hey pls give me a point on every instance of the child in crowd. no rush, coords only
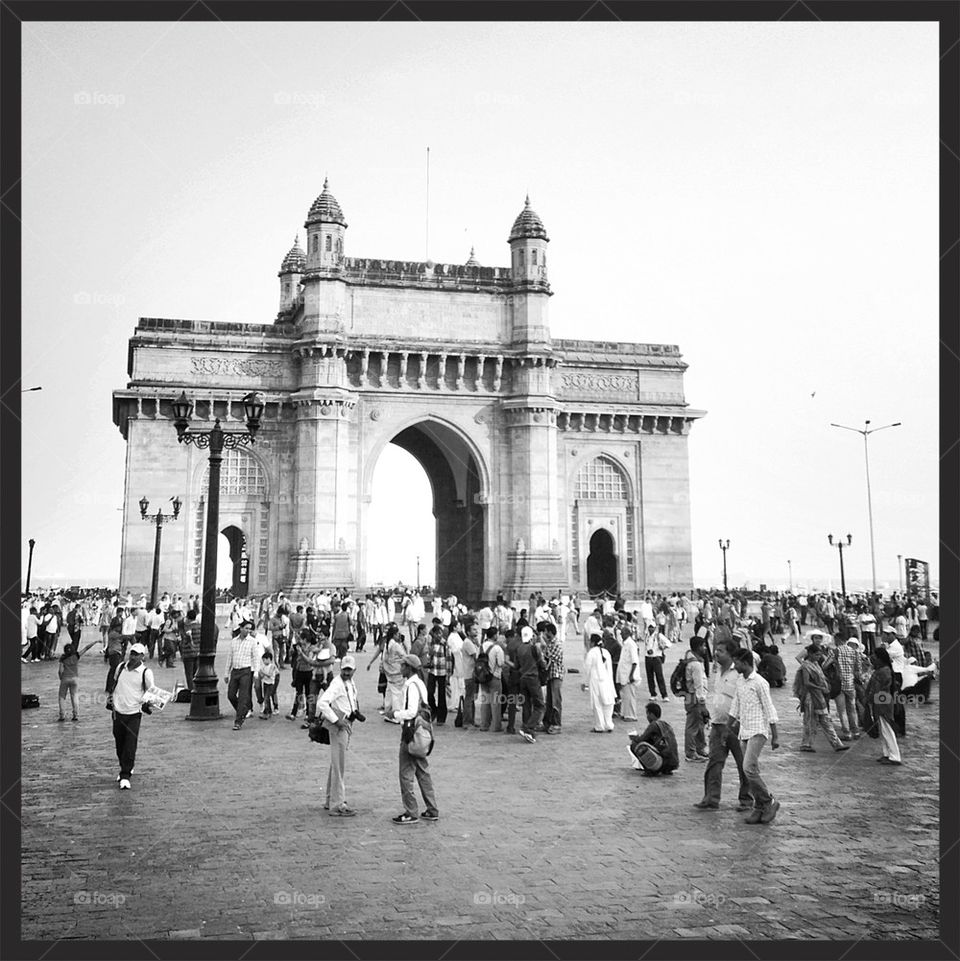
(69, 673)
(267, 675)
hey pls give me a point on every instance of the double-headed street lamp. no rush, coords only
(840, 545)
(160, 519)
(725, 548)
(867, 430)
(205, 698)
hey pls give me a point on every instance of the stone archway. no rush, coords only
(602, 567)
(454, 475)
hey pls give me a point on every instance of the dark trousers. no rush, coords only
(301, 684)
(126, 734)
(151, 642)
(722, 743)
(923, 630)
(511, 687)
(803, 616)
(551, 717)
(437, 697)
(49, 644)
(239, 691)
(654, 667)
(267, 694)
(532, 696)
(189, 669)
(113, 659)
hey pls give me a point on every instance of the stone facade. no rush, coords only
(532, 444)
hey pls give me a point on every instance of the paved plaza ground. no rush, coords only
(223, 837)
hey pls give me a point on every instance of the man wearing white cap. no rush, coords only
(339, 707)
(129, 683)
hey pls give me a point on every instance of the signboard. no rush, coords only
(917, 575)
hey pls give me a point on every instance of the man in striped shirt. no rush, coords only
(242, 661)
(754, 718)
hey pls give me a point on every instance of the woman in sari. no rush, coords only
(598, 672)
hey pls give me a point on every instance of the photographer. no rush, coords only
(339, 708)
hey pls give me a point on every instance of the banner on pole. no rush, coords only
(917, 577)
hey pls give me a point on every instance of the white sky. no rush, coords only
(763, 195)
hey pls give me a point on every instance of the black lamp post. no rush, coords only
(160, 519)
(205, 699)
(725, 548)
(840, 545)
(31, 542)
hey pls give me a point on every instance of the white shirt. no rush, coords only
(414, 694)
(341, 695)
(629, 655)
(129, 625)
(646, 610)
(128, 693)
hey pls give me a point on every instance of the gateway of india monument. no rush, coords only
(553, 463)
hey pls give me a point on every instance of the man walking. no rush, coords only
(722, 741)
(130, 682)
(242, 661)
(190, 646)
(468, 654)
(753, 718)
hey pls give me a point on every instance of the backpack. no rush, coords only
(678, 679)
(482, 672)
(832, 673)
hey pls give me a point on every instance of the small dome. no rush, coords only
(296, 260)
(472, 262)
(325, 209)
(528, 224)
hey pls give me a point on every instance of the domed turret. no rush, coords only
(295, 260)
(325, 209)
(291, 270)
(528, 224)
(325, 229)
(528, 248)
(472, 262)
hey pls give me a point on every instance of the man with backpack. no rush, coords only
(129, 682)
(488, 673)
(689, 680)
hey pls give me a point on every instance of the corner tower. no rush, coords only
(325, 232)
(290, 274)
(528, 267)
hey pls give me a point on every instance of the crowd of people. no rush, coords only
(501, 667)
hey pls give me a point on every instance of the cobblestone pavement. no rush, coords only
(222, 835)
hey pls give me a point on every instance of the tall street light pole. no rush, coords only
(160, 519)
(900, 572)
(205, 697)
(790, 570)
(418, 572)
(725, 548)
(31, 542)
(840, 545)
(866, 431)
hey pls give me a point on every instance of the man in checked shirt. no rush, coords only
(242, 661)
(754, 718)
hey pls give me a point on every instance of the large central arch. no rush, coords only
(458, 479)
